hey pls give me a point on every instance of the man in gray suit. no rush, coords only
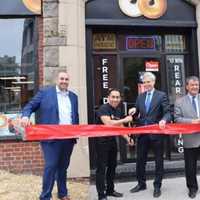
(187, 110)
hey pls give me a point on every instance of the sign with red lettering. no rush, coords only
(152, 66)
(140, 43)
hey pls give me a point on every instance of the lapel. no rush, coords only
(198, 100)
(54, 98)
(143, 98)
(72, 102)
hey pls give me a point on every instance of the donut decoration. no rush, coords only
(33, 5)
(130, 9)
(152, 9)
(3, 121)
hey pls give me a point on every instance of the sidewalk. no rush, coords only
(172, 189)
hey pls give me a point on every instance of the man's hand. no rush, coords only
(132, 111)
(25, 121)
(127, 119)
(129, 140)
(196, 121)
(162, 124)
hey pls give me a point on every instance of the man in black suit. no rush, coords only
(152, 107)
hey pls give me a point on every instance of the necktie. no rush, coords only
(194, 104)
(148, 101)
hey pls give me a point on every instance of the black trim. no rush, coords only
(121, 22)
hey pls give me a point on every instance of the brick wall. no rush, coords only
(21, 157)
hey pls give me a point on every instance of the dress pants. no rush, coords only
(143, 146)
(57, 155)
(106, 165)
(190, 156)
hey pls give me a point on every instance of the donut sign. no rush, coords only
(150, 9)
(21, 7)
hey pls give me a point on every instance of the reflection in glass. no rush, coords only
(16, 63)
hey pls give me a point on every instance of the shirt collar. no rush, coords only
(61, 92)
(192, 96)
(150, 92)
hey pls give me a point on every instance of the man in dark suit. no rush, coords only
(56, 105)
(187, 110)
(152, 107)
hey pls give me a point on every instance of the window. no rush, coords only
(17, 69)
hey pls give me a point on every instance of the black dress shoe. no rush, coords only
(114, 194)
(102, 198)
(192, 194)
(137, 188)
(156, 192)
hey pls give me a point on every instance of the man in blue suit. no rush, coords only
(56, 105)
(152, 107)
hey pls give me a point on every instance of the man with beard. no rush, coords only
(56, 105)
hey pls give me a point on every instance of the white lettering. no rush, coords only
(177, 75)
(180, 149)
(105, 69)
(176, 68)
(104, 61)
(105, 85)
(177, 83)
(105, 77)
(178, 90)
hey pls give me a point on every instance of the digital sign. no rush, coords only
(140, 43)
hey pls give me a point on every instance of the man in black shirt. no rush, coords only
(106, 147)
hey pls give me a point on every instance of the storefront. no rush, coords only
(122, 46)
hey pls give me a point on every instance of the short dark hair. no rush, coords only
(113, 89)
(189, 78)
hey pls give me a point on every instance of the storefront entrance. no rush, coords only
(119, 53)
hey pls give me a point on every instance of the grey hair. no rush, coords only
(149, 75)
(189, 78)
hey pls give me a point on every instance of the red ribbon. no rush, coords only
(48, 132)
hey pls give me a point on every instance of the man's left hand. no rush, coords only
(162, 124)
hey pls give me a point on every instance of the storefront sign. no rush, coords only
(176, 66)
(150, 9)
(104, 41)
(105, 77)
(152, 66)
(21, 7)
(140, 43)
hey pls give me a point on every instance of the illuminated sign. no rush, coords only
(104, 41)
(21, 7)
(152, 66)
(140, 43)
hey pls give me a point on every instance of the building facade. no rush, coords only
(102, 44)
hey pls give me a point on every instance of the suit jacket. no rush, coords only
(159, 109)
(45, 101)
(184, 113)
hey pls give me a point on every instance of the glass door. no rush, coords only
(132, 69)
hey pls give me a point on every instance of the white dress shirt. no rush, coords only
(64, 107)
